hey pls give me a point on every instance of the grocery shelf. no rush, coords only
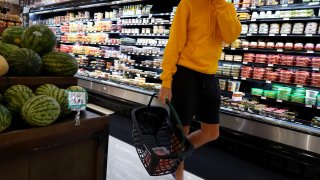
(85, 32)
(151, 45)
(310, 5)
(274, 51)
(142, 54)
(142, 65)
(285, 19)
(147, 15)
(147, 24)
(146, 35)
(95, 57)
(284, 35)
(91, 44)
(240, 10)
(282, 66)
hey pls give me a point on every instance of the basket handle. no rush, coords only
(151, 99)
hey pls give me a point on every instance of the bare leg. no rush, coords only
(207, 133)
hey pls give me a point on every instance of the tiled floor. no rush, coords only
(124, 163)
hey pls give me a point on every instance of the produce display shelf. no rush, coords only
(91, 44)
(151, 45)
(147, 15)
(122, 86)
(274, 51)
(308, 68)
(146, 35)
(95, 57)
(310, 5)
(285, 19)
(142, 65)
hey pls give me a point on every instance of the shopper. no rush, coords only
(190, 62)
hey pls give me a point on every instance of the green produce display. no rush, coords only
(298, 98)
(41, 111)
(16, 102)
(78, 88)
(284, 93)
(301, 91)
(270, 94)
(60, 64)
(257, 92)
(45, 89)
(7, 49)
(24, 62)
(13, 35)
(61, 96)
(39, 38)
(15, 90)
(5, 118)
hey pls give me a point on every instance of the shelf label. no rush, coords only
(308, 106)
(315, 69)
(253, 7)
(245, 62)
(243, 78)
(284, 34)
(235, 78)
(272, 35)
(310, 52)
(284, 5)
(245, 49)
(154, 66)
(279, 50)
(269, 82)
(263, 97)
(286, 19)
(270, 65)
(233, 48)
(299, 85)
(279, 100)
(309, 35)
(147, 65)
(249, 34)
(318, 107)
(150, 15)
(253, 20)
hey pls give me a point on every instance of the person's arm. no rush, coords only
(229, 24)
(176, 43)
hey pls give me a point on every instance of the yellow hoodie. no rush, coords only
(196, 36)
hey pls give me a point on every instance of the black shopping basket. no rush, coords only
(159, 139)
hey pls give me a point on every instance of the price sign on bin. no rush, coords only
(77, 102)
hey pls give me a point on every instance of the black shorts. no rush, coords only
(195, 94)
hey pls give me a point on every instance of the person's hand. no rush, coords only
(164, 94)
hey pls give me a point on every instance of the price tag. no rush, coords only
(269, 82)
(138, 75)
(243, 78)
(271, 34)
(308, 106)
(147, 65)
(233, 48)
(310, 52)
(245, 49)
(253, 7)
(270, 65)
(245, 62)
(313, 3)
(263, 97)
(299, 85)
(154, 66)
(141, 65)
(243, 8)
(286, 19)
(77, 102)
(235, 78)
(318, 107)
(150, 15)
(279, 100)
(279, 50)
(253, 20)
(315, 69)
(284, 34)
(309, 35)
(249, 34)
(284, 5)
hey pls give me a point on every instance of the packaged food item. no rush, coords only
(270, 45)
(301, 91)
(258, 73)
(270, 94)
(311, 93)
(286, 76)
(311, 101)
(311, 28)
(279, 45)
(253, 28)
(246, 71)
(261, 45)
(315, 79)
(245, 44)
(284, 93)
(257, 91)
(286, 28)
(263, 28)
(223, 84)
(245, 28)
(272, 76)
(288, 45)
(249, 57)
(261, 58)
(298, 28)
(303, 61)
(287, 60)
(274, 59)
(309, 47)
(274, 28)
(228, 57)
(317, 47)
(315, 62)
(237, 58)
(298, 46)
(301, 77)
(253, 45)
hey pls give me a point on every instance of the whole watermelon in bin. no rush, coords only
(39, 38)
(5, 118)
(13, 35)
(60, 64)
(7, 49)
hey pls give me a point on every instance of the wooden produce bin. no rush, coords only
(61, 151)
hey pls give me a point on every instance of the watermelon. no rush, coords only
(4, 66)
(16, 103)
(13, 35)
(5, 118)
(40, 111)
(15, 90)
(7, 49)
(45, 89)
(79, 89)
(39, 38)
(61, 96)
(60, 64)
(24, 62)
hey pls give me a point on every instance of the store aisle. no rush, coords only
(124, 163)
